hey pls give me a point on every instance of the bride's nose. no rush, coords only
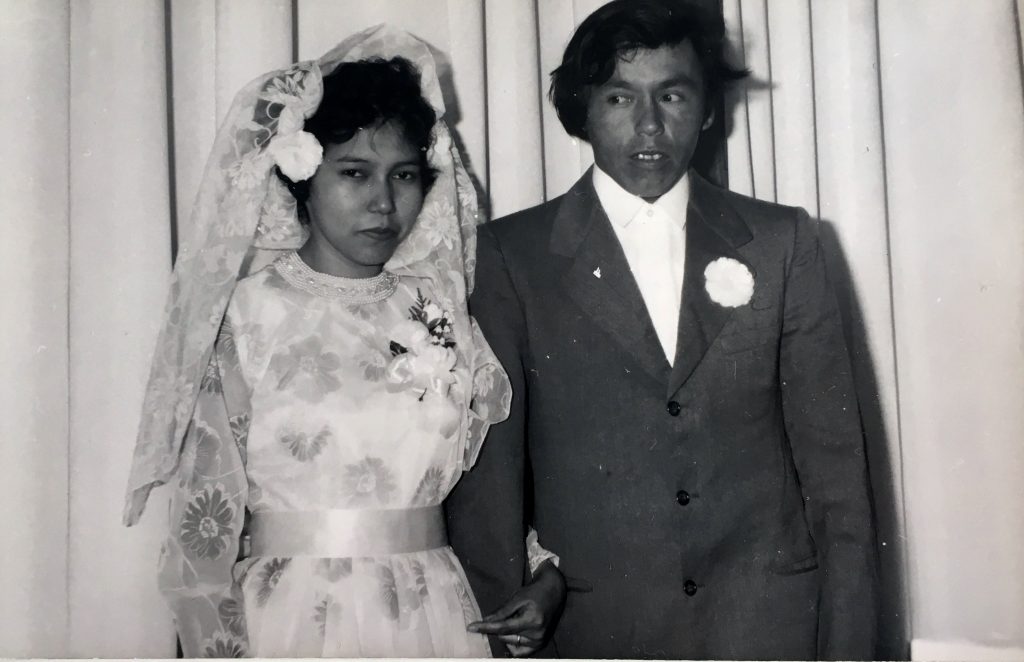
(382, 198)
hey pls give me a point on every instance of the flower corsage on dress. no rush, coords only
(423, 351)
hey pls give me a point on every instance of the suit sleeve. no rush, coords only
(823, 425)
(485, 511)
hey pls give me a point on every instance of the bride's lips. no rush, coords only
(380, 234)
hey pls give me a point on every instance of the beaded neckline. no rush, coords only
(349, 290)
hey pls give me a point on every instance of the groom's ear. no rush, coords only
(709, 120)
(583, 96)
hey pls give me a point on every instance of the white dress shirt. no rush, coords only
(653, 237)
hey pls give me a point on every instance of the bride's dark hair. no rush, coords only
(369, 93)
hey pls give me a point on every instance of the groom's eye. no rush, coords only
(618, 99)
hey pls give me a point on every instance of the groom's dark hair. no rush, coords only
(623, 26)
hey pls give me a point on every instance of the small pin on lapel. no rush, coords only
(597, 272)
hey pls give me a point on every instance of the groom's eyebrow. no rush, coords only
(680, 81)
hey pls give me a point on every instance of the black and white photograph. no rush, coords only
(588, 329)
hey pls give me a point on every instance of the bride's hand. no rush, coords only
(526, 621)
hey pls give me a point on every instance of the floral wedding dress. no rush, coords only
(326, 436)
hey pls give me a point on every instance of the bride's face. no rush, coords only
(363, 201)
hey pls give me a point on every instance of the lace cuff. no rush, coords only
(537, 554)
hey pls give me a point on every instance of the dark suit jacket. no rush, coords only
(715, 509)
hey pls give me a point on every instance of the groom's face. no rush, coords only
(644, 121)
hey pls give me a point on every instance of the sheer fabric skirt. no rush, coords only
(402, 605)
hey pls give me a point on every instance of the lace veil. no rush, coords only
(244, 216)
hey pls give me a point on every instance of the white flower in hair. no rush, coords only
(297, 154)
(289, 121)
(729, 282)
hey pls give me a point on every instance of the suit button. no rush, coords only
(689, 587)
(673, 408)
(683, 497)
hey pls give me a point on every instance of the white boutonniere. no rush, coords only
(422, 350)
(729, 282)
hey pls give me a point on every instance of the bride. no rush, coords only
(312, 415)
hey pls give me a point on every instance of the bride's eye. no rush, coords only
(407, 175)
(353, 173)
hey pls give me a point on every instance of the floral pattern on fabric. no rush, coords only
(362, 445)
(240, 430)
(374, 365)
(334, 569)
(430, 488)
(466, 601)
(312, 368)
(388, 591)
(211, 381)
(223, 646)
(417, 590)
(203, 454)
(326, 609)
(303, 446)
(232, 616)
(269, 576)
(368, 481)
(206, 529)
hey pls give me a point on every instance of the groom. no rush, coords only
(684, 431)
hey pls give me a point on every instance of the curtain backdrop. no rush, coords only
(899, 123)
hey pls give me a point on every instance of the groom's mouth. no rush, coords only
(649, 158)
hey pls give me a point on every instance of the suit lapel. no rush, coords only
(599, 279)
(713, 230)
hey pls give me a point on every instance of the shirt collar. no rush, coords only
(622, 207)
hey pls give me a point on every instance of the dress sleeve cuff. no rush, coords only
(537, 554)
